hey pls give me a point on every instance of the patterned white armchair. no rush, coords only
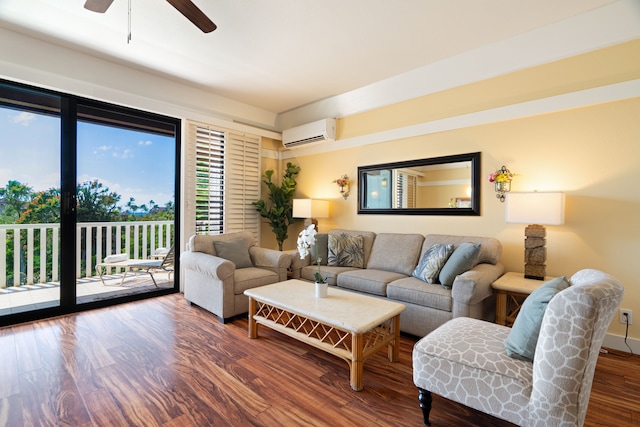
(465, 360)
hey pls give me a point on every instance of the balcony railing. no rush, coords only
(36, 248)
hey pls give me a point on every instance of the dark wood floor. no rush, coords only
(160, 362)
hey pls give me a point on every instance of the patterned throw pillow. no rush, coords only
(432, 261)
(346, 251)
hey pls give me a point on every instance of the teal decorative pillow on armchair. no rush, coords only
(522, 340)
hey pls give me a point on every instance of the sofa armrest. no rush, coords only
(270, 259)
(297, 263)
(216, 267)
(474, 286)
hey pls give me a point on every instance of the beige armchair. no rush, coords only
(465, 360)
(215, 284)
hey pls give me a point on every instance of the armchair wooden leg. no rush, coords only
(424, 396)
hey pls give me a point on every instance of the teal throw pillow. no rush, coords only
(522, 340)
(235, 251)
(463, 258)
(432, 261)
(346, 250)
(320, 249)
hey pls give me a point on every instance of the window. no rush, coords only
(223, 179)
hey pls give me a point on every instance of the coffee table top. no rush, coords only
(345, 310)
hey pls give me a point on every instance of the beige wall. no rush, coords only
(591, 153)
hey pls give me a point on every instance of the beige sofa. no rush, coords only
(215, 284)
(389, 260)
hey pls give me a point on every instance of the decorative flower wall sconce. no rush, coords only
(502, 181)
(343, 183)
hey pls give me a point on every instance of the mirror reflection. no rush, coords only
(440, 186)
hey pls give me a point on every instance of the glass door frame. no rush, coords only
(68, 214)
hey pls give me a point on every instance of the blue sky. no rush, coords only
(132, 164)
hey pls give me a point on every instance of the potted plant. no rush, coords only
(306, 239)
(280, 209)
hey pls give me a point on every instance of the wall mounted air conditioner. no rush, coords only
(311, 133)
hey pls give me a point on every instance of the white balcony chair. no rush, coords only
(165, 263)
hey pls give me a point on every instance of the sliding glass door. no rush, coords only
(126, 179)
(29, 200)
(88, 192)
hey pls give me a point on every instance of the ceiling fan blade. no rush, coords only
(193, 14)
(99, 6)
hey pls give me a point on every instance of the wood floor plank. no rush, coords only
(9, 384)
(11, 411)
(103, 409)
(162, 362)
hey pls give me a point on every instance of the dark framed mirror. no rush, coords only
(448, 185)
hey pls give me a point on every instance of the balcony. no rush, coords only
(30, 259)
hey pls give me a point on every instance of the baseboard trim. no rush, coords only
(616, 342)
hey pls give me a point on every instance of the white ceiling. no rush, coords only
(282, 54)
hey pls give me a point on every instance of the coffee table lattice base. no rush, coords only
(352, 347)
(330, 335)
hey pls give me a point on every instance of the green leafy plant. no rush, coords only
(279, 210)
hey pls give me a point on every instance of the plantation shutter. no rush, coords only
(222, 179)
(242, 172)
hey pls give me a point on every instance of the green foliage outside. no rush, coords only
(279, 210)
(19, 204)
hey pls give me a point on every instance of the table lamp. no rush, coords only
(536, 209)
(310, 209)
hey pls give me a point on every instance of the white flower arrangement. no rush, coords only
(306, 239)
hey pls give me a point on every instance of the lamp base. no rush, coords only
(535, 252)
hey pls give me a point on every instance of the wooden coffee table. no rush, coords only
(346, 324)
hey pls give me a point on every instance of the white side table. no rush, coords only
(512, 289)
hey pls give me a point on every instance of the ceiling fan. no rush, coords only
(185, 7)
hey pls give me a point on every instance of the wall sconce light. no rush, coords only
(310, 209)
(343, 183)
(535, 209)
(502, 180)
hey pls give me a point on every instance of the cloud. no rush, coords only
(24, 118)
(124, 154)
(147, 142)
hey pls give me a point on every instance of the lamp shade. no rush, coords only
(535, 208)
(310, 208)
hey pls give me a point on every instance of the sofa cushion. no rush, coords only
(367, 239)
(463, 258)
(252, 277)
(522, 340)
(432, 261)
(395, 252)
(368, 281)
(415, 291)
(346, 251)
(490, 249)
(235, 251)
(320, 249)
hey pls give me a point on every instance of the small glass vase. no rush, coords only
(503, 187)
(321, 290)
